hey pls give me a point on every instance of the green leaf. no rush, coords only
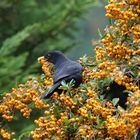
(89, 115)
(97, 119)
(71, 115)
(128, 92)
(110, 21)
(100, 122)
(84, 86)
(99, 32)
(53, 137)
(120, 108)
(115, 101)
(84, 58)
(102, 96)
(64, 85)
(67, 122)
(67, 86)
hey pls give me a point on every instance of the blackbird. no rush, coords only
(65, 70)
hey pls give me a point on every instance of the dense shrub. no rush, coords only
(83, 113)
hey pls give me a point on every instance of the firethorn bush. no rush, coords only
(83, 113)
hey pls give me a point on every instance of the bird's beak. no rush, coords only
(40, 58)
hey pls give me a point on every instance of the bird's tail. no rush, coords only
(51, 91)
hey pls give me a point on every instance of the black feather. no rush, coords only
(66, 70)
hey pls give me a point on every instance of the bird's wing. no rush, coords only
(51, 91)
(54, 88)
(66, 70)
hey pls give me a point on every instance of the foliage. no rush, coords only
(30, 28)
(82, 113)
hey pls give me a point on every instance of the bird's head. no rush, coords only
(55, 56)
